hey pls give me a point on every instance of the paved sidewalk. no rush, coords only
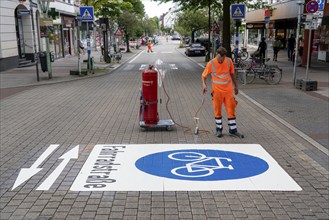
(22, 77)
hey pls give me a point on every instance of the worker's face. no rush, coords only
(220, 58)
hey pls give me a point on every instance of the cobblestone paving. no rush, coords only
(105, 110)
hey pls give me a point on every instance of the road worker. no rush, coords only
(222, 74)
(149, 46)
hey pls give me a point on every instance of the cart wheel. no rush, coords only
(168, 128)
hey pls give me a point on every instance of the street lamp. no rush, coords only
(299, 3)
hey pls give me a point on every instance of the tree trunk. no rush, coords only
(127, 42)
(227, 27)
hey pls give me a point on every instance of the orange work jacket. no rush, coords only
(220, 74)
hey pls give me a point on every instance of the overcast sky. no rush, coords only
(154, 8)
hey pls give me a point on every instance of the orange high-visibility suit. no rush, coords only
(149, 46)
(221, 76)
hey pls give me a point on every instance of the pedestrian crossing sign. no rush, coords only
(87, 13)
(238, 11)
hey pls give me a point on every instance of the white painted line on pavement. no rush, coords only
(135, 57)
(182, 167)
(291, 127)
(72, 154)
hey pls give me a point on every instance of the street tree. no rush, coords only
(127, 19)
(223, 9)
(191, 21)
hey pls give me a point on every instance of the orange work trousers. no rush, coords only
(229, 102)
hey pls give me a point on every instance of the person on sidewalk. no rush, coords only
(222, 73)
(262, 48)
(149, 46)
(276, 47)
(301, 50)
(291, 47)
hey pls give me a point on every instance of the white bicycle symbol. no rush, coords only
(200, 165)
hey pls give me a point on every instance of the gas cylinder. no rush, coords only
(150, 95)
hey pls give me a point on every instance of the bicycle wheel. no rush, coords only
(233, 56)
(244, 55)
(187, 156)
(249, 75)
(194, 173)
(273, 75)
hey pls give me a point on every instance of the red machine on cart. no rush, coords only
(148, 114)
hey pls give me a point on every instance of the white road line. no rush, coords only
(135, 57)
(72, 154)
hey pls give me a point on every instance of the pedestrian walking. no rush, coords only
(301, 50)
(149, 46)
(222, 73)
(291, 47)
(262, 48)
(276, 48)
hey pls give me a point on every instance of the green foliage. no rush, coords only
(192, 20)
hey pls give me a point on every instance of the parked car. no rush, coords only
(195, 49)
(175, 37)
(203, 41)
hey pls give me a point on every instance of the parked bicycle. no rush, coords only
(241, 54)
(248, 71)
(117, 56)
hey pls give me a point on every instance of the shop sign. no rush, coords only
(46, 26)
(255, 25)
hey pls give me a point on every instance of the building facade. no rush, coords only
(21, 30)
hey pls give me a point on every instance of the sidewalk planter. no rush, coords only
(306, 85)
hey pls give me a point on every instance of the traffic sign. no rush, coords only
(312, 7)
(87, 13)
(118, 33)
(321, 5)
(238, 11)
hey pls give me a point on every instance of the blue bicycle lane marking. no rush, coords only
(202, 165)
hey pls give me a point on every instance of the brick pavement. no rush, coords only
(105, 110)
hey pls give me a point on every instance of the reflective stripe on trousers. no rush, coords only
(232, 125)
(219, 123)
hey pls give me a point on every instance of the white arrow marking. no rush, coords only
(27, 173)
(173, 66)
(143, 66)
(72, 154)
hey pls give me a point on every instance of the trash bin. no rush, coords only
(43, 60)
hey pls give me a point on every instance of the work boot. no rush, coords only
(236, 134)
(219, 133)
